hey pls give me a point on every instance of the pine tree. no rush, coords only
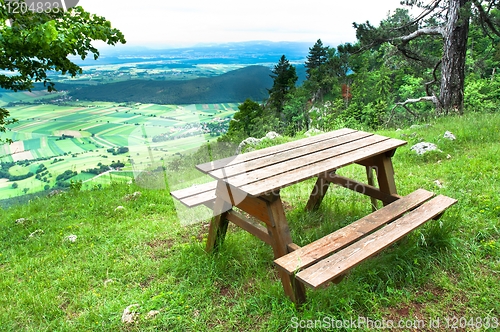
(285, 77)
(318, 55)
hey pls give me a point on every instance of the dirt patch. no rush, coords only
(4, 183)
(159, 248)
(16, 147)
(22, 156)
(161, 243)
(287, 206)
(145, 283)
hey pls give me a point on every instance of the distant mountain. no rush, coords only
(253, 52)
(235, 86)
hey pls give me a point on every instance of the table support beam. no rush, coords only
(385, 175)
(317, 194)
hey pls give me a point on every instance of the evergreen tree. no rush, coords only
(285, 77)
(318, 55)
(244, 122)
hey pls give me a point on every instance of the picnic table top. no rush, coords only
(270, 169)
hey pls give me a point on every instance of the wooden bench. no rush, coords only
(198, 194)
(330, 257)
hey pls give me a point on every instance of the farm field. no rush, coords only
(78, 136)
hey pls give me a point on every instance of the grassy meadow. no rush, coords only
(76, 136)
(143, 255)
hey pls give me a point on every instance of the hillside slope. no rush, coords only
(235, 86)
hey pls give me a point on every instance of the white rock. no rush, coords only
(449, 135)
(438, 183)
(247, 141)
(312, 132)
(20, 221)
(152, 313)
(272, 135)
(255, 141)
(71, 238)
(423, 147)
(128, 315)
(118, 208)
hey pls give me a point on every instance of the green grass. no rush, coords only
(142, 254)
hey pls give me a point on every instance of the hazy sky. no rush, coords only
(187, 22)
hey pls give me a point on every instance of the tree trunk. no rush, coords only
(453, 63)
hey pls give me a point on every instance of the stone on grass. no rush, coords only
(128, 315)
(20, 221)
(272, 135)
(152, 313)
(108, 281)
(119, 208)
(255, 141)
(133, 196)
(423, 147)
(449, 135)
(438, 183)
(312, 132)
(71, 238)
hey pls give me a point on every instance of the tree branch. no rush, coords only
(421, 32)
(485, 18)
(412, 101)
(428, 84)
(422, 15)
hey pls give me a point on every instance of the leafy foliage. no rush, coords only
(35, 43)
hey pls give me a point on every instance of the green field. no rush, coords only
(90, 129)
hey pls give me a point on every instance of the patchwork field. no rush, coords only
(78, 136)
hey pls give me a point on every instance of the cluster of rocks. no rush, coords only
(255, 141)
(423, 147)
(130, 315)
(270, 135)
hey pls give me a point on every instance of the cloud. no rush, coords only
(193, 21)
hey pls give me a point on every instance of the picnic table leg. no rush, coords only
(318, 193)
(385, 174)
(218, 225)
(281, 238)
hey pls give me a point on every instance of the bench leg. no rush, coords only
(218, 225)
(281, 238)
(317, 195)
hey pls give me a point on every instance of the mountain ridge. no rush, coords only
(234, 86)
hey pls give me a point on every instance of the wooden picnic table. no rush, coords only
(252, 183)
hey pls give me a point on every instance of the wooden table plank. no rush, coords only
(305, 161)
(261, 183)
(287, 155)
(243, 158)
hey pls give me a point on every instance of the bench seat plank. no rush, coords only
(340, 262)
(339, 239)
(197, 194)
